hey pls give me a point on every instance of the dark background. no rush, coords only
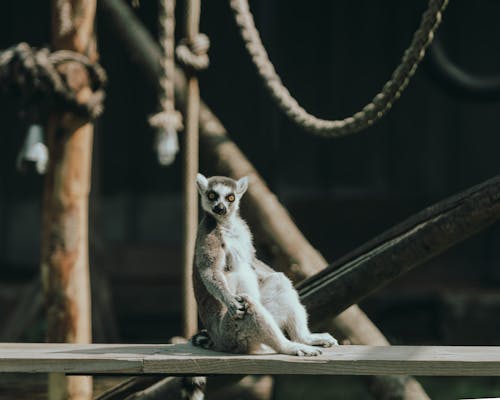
(333, 56)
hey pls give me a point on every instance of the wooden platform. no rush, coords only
(185, 359)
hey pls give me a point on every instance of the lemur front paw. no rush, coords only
(238, 307)
(299, 349)
(323, 339)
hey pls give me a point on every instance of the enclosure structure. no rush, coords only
(327, 292)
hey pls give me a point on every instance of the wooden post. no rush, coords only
(64, 241)
(190, 168)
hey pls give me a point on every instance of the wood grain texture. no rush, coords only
(184, 359)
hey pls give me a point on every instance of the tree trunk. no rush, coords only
(64, 242)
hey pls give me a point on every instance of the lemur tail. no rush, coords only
(202, 339)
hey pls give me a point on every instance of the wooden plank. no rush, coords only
(184, 359)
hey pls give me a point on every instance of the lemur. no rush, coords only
(242, 302)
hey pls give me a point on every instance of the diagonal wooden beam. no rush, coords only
(398, 250)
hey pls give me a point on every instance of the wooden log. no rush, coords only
(190, 159)
(169, 388)
(272, 222)
(129, 387)
(398, 250)
(185, 359)
(64, 243)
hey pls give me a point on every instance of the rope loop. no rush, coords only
(194, 54)
(373, 111)
(33, 74)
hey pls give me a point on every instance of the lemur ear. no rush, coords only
(242, 185)
(202, 183)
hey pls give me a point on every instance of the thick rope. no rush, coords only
(167, 121)
(374, 110)
(32, 73)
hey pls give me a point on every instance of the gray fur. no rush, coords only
(242, 302)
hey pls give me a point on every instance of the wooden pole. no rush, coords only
(64, 241)
(190, 168)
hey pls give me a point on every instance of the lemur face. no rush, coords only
(220, 196)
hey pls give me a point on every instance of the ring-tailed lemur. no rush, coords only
(242, 302)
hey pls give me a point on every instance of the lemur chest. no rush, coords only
(238, 269)
(238, 247)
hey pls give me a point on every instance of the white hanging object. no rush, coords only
(167, 146)
(34, 150)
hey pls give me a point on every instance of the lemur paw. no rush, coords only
(323, 339)
(238, 308)
(298, 349)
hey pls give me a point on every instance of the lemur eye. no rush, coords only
(230, 198)
(211, 196)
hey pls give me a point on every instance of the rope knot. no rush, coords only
(194, 54)
(34, 74)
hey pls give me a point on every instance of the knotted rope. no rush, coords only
(374, 110)
(167, 121)
(32, 73)
(194, 55)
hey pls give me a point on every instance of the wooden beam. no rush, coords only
(64, 242)
(393, 253)
(190, 161)
(185, 359)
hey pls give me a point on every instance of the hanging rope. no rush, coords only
(167, 121)
(32, 74)
(374, 110)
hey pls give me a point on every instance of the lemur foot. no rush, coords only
(322, 339)
(202, 339)
(299, 349)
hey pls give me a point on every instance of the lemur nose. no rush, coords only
(219, 209)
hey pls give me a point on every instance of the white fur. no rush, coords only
(238, 244)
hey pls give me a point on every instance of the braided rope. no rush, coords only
(33, 74)
(374, 110)
(167, 121)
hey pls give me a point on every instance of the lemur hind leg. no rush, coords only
(257, 327)
(281, 299)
